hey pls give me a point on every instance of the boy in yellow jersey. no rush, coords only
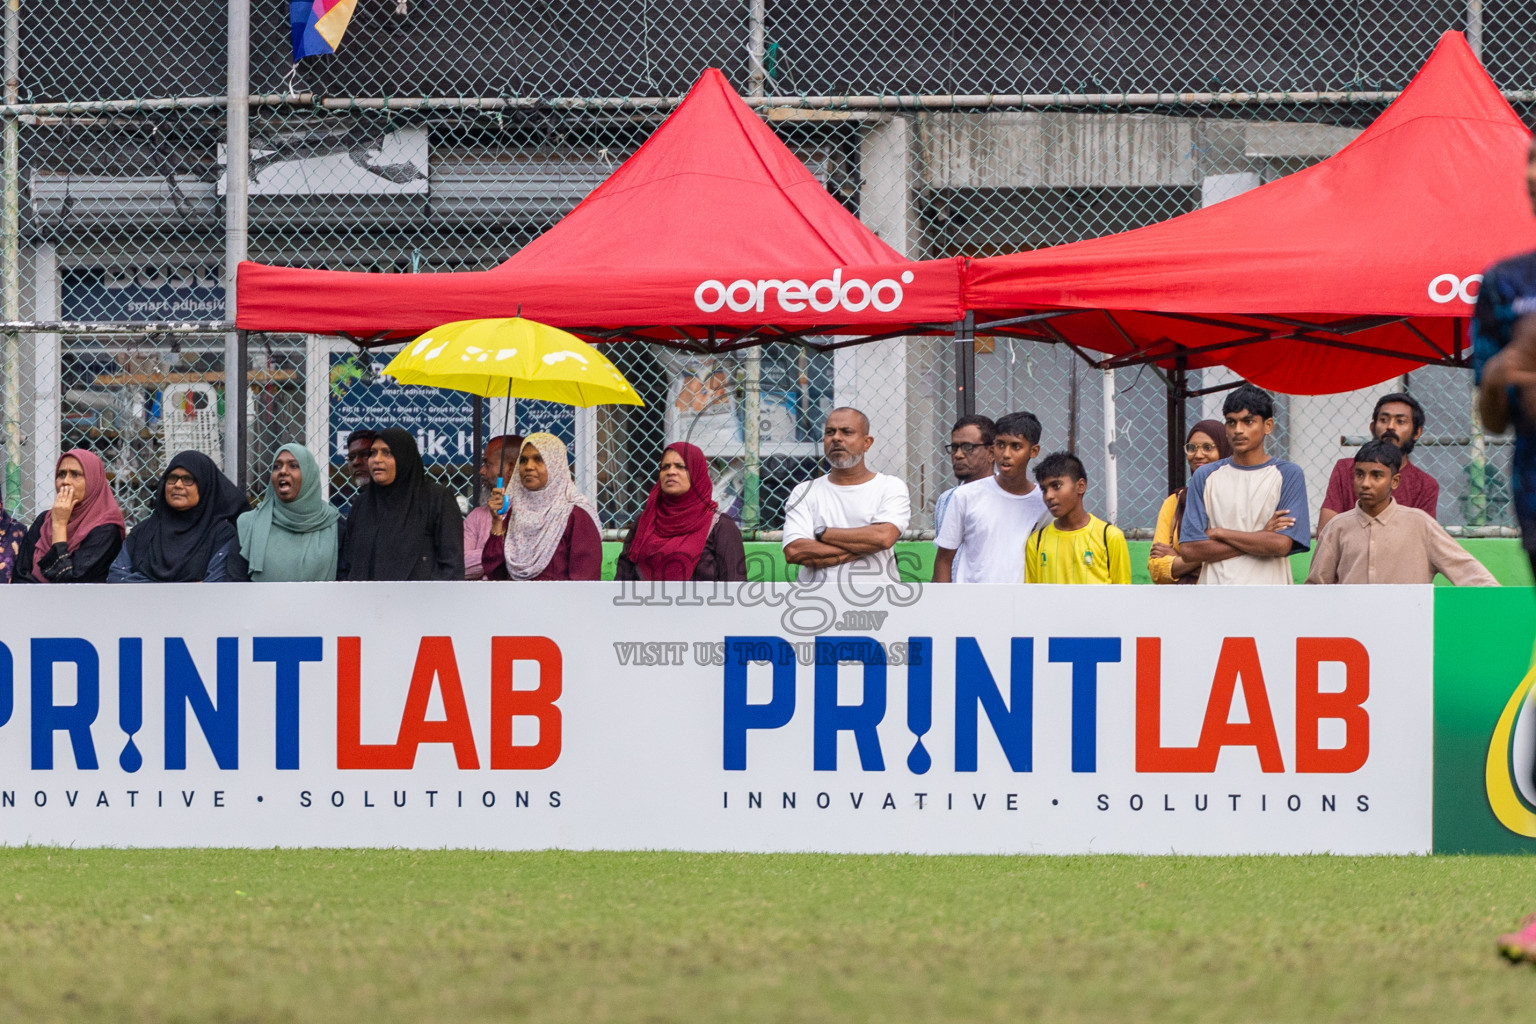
(1077, 547)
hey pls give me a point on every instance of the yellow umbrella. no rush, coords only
(512, 358)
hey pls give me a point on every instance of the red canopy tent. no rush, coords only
(713, 234)
(1340, 276)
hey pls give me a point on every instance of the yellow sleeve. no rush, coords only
(1119, 557)
(1161, 568)
(1031, 566)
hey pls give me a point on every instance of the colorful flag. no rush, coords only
(316, 26)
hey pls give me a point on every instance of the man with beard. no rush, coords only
(843, 525)
(1398, 418)
(359, 448)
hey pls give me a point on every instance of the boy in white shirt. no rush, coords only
(842, 526)
(987, 522)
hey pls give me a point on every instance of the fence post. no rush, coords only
(757, 72)
(965, 366)
(752, 397)
(237, 168)
(237, 395)
(1477, 446)
(1177, 390)
(10, 255)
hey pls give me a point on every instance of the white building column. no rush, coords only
(47, 389)
(874, 378)
(317, 404)
(1216, 187)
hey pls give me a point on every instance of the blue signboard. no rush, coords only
(94, 293)
(550, 417)
(442, 421)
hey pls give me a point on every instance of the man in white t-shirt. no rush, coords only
(970, 455)
(987, 523)
(842, 526)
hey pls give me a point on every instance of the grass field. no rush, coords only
(459, 936)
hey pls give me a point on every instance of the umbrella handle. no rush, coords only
(506, 410)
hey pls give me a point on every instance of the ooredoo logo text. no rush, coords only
(1449, 288)
(854, 295)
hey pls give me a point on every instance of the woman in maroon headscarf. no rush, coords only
(681, 534)
(75, 540)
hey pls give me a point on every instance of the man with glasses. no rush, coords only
(986, 526)
(970, 455)
(359, 445)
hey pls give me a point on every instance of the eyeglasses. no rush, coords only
(181, 480)
(965, 447)
(1200, 449)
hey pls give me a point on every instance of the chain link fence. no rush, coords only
(444, 137)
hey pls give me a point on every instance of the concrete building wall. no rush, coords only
(1027, 149)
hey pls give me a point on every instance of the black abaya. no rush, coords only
(410, 529)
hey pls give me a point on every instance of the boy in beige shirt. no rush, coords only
(1380, 541)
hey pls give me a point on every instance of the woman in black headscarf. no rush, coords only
(189, 535)
(402, 526)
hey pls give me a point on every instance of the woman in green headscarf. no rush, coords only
(293, 536)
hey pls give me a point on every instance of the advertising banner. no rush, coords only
(752, 717)
(150, 294)
(350, 162)
(442, 421)
(1485, 720)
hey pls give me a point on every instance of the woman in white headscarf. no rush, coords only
(551, 530)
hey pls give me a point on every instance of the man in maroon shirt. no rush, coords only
(1398, 418)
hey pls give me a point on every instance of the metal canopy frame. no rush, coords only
(1166, 357)
(715, 339)
(1038, 327)
(1169, 359)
